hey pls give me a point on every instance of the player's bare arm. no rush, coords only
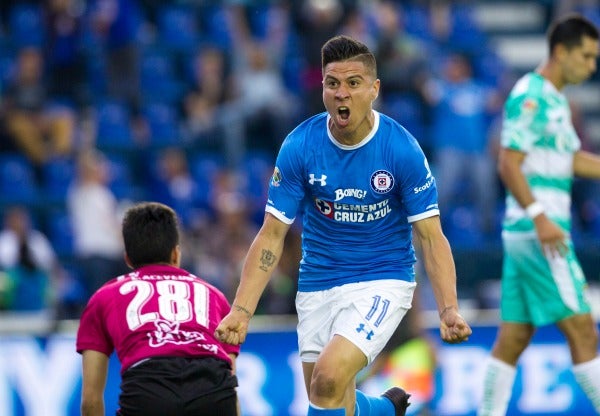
(551, 236)
(263, 257)
(439, 265)
(95, 372)
(586, 165)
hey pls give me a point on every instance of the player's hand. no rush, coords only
(453, 327)
(551, 236)
(233, 328)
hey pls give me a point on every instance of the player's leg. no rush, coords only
(582, 336)
(332, 384)
(514, 334)
(358, 319)
(576, 322)
(511, 341)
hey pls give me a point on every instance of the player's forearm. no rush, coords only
(92, 408)
(440, 268)
(262, 259)
(586, 165)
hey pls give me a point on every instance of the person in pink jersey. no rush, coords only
(160, 320)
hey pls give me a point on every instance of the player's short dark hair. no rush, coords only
(570, 31)
(150, 233)
(344, 48)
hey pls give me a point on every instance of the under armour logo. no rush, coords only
(321, 180)
(361, 328)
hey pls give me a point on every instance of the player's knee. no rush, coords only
(325, 385)
(580, 330)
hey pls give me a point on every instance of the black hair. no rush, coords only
(150, 233)
(570, 31)
(344, 48)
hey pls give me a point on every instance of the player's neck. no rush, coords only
(352, 137)
(552, 73)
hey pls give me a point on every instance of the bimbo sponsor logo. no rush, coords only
(355, 193)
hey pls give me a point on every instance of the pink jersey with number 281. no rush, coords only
(155, 311)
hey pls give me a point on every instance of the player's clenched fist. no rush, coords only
(453, 327)
(233, 328)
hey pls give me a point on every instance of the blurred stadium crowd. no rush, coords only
(106, 102)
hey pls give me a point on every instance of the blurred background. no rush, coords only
(107, 102)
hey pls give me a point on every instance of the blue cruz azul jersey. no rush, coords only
(357, 202)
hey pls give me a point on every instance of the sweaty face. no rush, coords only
(349, 90)
(579, 63)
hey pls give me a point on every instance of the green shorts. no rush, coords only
(539, 289)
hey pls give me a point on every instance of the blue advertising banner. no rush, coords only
(42, 376)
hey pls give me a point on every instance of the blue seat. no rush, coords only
(17, 180)
(60, 231)
(159, 78)
(178, 27)
(215, 25)
(257, 168)
(7, 66)
(121, 180)
(163, 123)
(112, 123)
(205, 167)
(406, 109)
(466, 33)
(57, 177)
(24, 25)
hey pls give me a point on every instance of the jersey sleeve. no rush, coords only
(286, 188)
(521, 127)
(92, 333)
(418, 188)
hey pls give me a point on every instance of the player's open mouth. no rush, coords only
(344, 113)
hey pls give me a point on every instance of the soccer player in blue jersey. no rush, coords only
(363, 186)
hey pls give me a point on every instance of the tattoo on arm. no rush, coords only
(267, 259)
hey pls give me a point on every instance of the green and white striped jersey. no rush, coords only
(537, 121)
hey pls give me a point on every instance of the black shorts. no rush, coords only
(177, 386)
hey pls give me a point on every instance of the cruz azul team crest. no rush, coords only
(382, 181)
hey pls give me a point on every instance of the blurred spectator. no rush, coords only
(94, 214)
(117, 23)
(175, 186)
(358, 25)
(210, 118)
(65, 55)
(403, 68)
(462, 110)
(207, 93)
(315, 21)
(29, 263)
(40, 128)
(262, 99)
(221, 243)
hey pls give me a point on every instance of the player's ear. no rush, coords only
(127, 261)
(376, 86)
(560, 51)
(176, 256)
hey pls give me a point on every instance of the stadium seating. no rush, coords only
(18, 183)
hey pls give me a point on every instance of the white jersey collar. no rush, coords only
(363, 142)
